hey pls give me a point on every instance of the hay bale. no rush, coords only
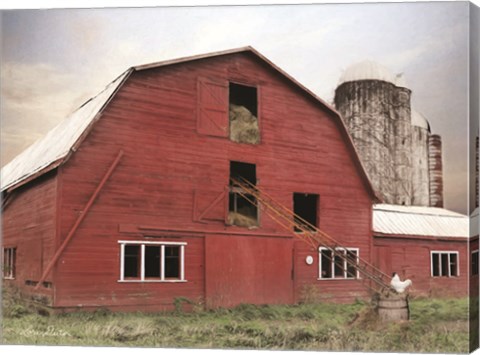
(242, 220)
(243, 125)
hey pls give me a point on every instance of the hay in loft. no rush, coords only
(243, 125)
(242, 220)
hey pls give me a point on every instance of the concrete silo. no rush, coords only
(393, 140)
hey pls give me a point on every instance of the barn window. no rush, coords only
(338, 265)
(444, 263)
(9, 263)
(152, 261)
(242, 209)
(305, 208)
(475, 263)
(243, 114)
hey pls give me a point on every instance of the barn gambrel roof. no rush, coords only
(56, 146)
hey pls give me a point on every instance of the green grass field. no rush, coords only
(436, 325)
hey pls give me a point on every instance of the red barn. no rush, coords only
(128, 205)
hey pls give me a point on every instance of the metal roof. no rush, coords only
(419, 120)
(53, 148)
(419, 221)
(370, 70)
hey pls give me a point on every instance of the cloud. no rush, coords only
(35, 97)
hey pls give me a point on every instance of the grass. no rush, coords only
(436, 325)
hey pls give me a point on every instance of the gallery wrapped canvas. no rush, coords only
(257, 177)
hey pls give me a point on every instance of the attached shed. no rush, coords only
(127, 204)
(429, 245)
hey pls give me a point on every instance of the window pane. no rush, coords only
(339, 266)
(132, 261)
(172, 262)
(152, 261)
(475, 263)
(435, 264)
(445, 266)
(8, 267)
(453, 264)
(352, 261)
(326, 260)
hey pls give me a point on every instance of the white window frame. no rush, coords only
(448, 252)
(9, 263)
(345, 275)
(142, 245)
(471, 266)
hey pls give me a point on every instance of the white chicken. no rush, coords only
(398, 285)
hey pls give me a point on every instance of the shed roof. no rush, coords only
(419, 221)
(54, 148)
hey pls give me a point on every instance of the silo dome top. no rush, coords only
(369, 70)
(419, 120)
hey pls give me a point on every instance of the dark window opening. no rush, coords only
(132, 261)
(326, 264)
(475, 263)
(244, 171)
(435, 265)
(9, 263)
(243, 114)
(242, 207)
(45, 284)
(339, 271)
(453, 265)
(351, 263)
(339, 265)
(305, 208)
(445, 264)
(172, 262)
(152, 261)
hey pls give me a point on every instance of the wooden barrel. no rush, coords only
(393, 308)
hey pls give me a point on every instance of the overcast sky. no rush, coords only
(53, 60)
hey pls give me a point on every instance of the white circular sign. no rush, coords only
(309, 260)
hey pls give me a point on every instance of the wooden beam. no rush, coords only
(80, 218)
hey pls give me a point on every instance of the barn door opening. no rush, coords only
(243, 114)
(242, 210)
(305, 206)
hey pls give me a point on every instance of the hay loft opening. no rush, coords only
(305, 206)
(242, 209)
(243, 114)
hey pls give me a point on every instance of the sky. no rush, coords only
(53, 60)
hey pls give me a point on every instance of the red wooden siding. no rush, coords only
(253, 270)
(212, 106)
(29, 225)
(411, 259)
(171, 173)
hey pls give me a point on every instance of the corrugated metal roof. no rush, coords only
(474, 223)
(57, 143)
(419, 221)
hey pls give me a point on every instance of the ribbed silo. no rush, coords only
(435, 170)
(377, 115)
(420, 160)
